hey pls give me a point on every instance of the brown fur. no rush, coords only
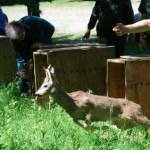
(83, 106)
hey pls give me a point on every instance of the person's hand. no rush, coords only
(86, 35)
(120, 29)
(36, 46)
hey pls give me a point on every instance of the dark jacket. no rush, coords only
(144, 7)
(2, 21)
(110, 12)
(36, 30)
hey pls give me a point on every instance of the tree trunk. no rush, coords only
(34, 8)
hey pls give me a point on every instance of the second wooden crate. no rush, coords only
(129, 78)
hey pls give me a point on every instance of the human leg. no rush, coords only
(22, 77)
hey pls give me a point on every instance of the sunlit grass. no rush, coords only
(26, 125)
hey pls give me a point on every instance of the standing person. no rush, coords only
(106, 13)
(144, 9)
(28, 34)
(2, 22)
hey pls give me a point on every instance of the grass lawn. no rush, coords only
(69, 23)
(69, 18)
(26, 126)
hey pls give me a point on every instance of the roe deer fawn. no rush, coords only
(87, 107)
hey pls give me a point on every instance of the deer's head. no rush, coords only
(47, 86)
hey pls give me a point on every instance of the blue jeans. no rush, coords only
(23, 83)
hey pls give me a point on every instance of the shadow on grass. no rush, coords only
(71, 39)
(130, 48)
(80, 0)
(133, 49)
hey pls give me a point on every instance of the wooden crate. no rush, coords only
(81, 67)
(129, 77)
(8, 66)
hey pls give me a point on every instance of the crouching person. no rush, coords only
(27, 34)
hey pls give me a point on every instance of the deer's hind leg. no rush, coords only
(87, 122)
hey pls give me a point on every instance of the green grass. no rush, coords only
(69, 17)
(25, 125)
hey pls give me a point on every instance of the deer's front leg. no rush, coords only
(85, 125)
(87, 122)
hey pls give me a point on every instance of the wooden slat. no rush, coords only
(138, 83)
(40, 61)
(7, 60)
(70, 45)
(116, 78)
(70, 48)
(136, 57)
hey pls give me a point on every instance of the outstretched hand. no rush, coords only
(120, 29)
(86, 35)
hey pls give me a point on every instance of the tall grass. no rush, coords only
(26, 125)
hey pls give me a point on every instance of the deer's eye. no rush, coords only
(45, 86)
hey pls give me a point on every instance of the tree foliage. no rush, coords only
(32, 5)
(25, 2)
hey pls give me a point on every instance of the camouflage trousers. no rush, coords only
(25, 76)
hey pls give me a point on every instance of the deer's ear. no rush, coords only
(44, 68)
(49, 67)
(52, 70)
